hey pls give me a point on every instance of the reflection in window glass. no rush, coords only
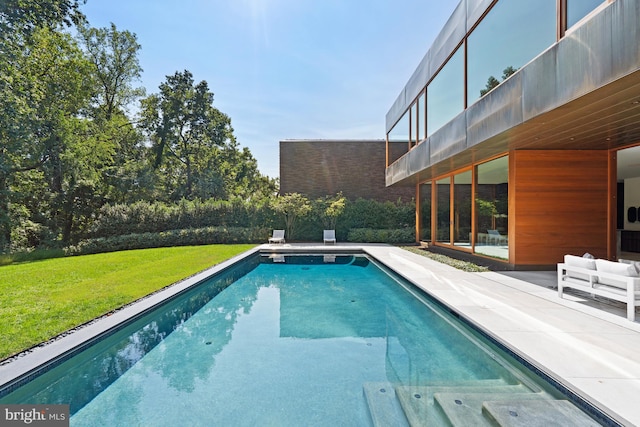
(413, 111)
(492, 208)
(425, 212)
(511, 34)
(400, 132)
(462, 209)
(422, 119)
(445, 93)
(578, 9)
(443, 226)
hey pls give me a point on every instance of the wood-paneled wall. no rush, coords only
(558, 204)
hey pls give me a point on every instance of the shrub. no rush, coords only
(369, 235)
(145, 217)
(185, 237)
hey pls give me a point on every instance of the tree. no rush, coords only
(292, 206)
(20, 20)
(45, 87)
(114, 57)
(186, 133)
(329, 209)
(492, 82)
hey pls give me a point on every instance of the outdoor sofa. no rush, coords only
(618, 281)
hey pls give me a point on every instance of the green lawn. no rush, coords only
(41, 299)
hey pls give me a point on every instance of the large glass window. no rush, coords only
(512, 33)
(462, 209)
(425, 212)
(492, 208)
(445, 93)
(443, 205)
(422, 117)
(413, 112)
(578, 9)
(400, 132)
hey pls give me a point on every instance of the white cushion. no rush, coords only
(636, 264)
(576, 261)
(618, 268)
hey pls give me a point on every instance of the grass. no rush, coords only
(459, 264)
(41, 299)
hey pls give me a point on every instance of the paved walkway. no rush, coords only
(589, 347)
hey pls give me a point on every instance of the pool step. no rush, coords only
(536, 413)
(421, 408)
(466, 409)
(384, 406)
(386, 410)
(475, 403)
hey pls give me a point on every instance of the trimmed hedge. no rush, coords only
(146, 217)
(369, 235)
(385, 221)
(185, 237)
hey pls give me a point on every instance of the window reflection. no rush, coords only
(512, 34)
(578, 9)
(445, 93)
(422, 117)
(413, 112)
(492, 208)
(462, 209)
(425, 212)
(400, 132)
(443, 202)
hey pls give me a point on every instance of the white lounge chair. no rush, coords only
(278, 236)
(495, 236)
(329, 236)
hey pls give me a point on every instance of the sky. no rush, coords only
(284, 69)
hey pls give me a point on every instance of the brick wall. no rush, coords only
(317, 168)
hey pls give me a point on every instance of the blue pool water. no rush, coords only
(315, 340)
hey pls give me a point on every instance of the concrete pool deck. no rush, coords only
(587, 346)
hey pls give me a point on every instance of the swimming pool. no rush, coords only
(292, 340)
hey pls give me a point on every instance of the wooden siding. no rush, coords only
(559, 203)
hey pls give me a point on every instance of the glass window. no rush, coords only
(413, 112)
(578, 9)
(492, 208)
(462, 209)
(445, 93)
(512, 33)
(422, 117)
(425, 212)
(400, 132)
(443, 204)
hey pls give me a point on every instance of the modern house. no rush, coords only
(521, 128)
(323, 167)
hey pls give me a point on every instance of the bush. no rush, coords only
(185, 237)
(145, 217)
(369, 235)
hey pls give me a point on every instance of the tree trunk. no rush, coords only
(5, 224)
